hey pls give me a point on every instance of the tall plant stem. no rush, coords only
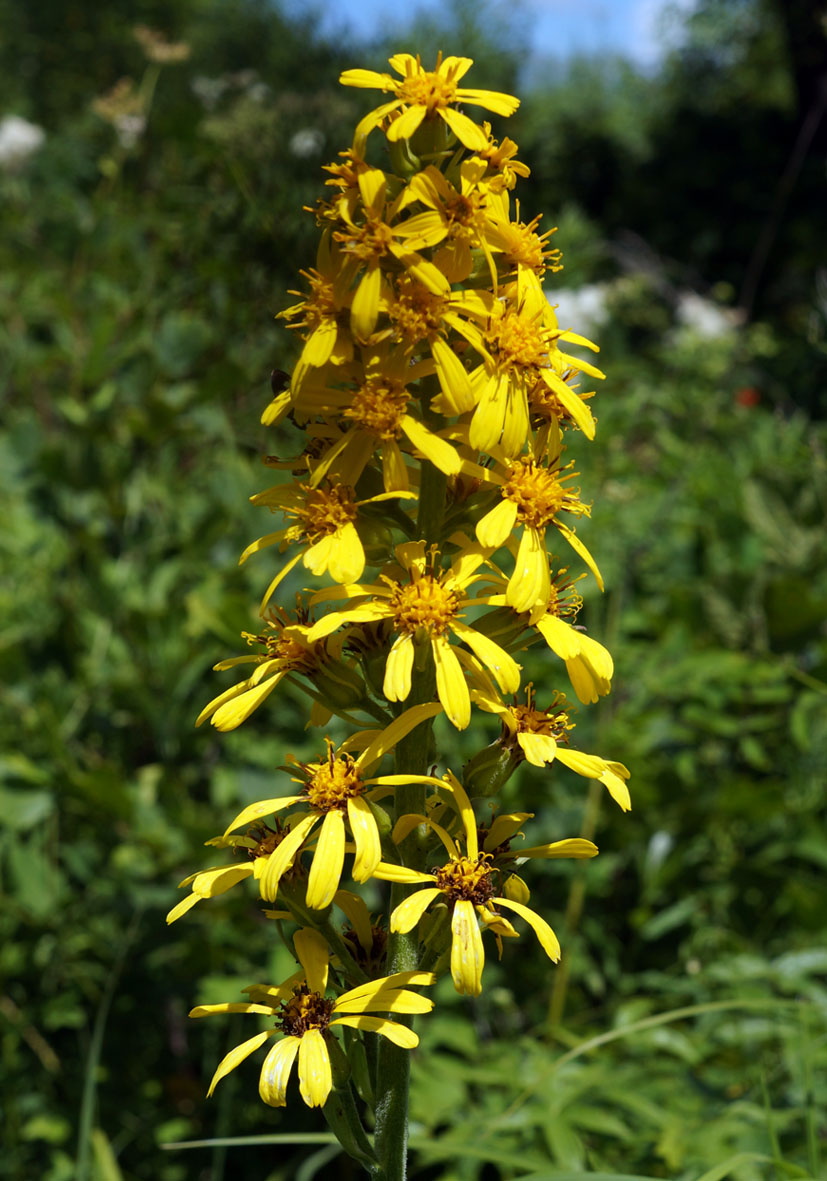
(591, 814)
(412, 755)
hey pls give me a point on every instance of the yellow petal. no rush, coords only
(347, 561)
(466, 812)
(453, 379)
(315, 1077)
(230, 1061)
(387, 1000)
(397, 730)
(232, 713)
(497, 661)
(530, 583)
(538, 749)
(328, 861)
(398, 668)
(400, 873)
(561, 637)
(397, 980)
(365, 837)
(319, 344)
(183, 906)
(281, 859)
(465, 129)
(409, 912)
(441, 454)
(451, 685)
(282, 574)
(400, 1035)
(367, 79)
(548, 940)
(261, 808)
(496, 526)
(364, 311)
(394, 468)
(404, 126)
(467, 956)
(577, 847)
(492, 100)
(275, 1071)
(314, 957)
(578, 547)
(359, 915)
(232, 1007)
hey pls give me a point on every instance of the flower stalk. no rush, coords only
(434, 398)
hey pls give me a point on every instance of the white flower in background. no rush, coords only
(306, 142)
(582, 308)
(130, 128)
(18, 140)
(208, 91)
(703, 317)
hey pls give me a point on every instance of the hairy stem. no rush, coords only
(412, 755)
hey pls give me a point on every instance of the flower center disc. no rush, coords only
(466, 879)
(427, 90)
(333, 783)
(416, 311)
(426, 604)
(305, 1010)
(327, 511)
(517, 341)
(378, 407)
(536, 491)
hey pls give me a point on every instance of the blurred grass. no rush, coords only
(137, 286)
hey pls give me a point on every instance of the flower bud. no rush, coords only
(515, 889)
(489, 769)
(339, 684)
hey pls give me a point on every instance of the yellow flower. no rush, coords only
(520, 351)
(325, 312)
(285, 651)
(304, 1015)
(367, 234)
(460, 215)
(375, 417)
(466, 885)
(421, 94)
(542, 736)
(501, 160)
(419, 316)
(424, 605)
(335, 793)
(589, 665)
(325, 530)
(260, 843)
(531, 495)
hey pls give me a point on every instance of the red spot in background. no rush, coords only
(748, 395)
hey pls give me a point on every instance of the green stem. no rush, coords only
(412, 755)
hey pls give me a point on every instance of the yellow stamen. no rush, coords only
(467, 879)
(331, 784)
(426, 604)
(326, 510)
(305, 1010)
(378, 407)
(516, 341)
(553, 721)
(540, 493)
(416, 312)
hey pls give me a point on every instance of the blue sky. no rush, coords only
(635, 28)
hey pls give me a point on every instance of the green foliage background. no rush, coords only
(687, 1035)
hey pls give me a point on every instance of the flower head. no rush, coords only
(304, 1015)
(428, 94)
(470, 885)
